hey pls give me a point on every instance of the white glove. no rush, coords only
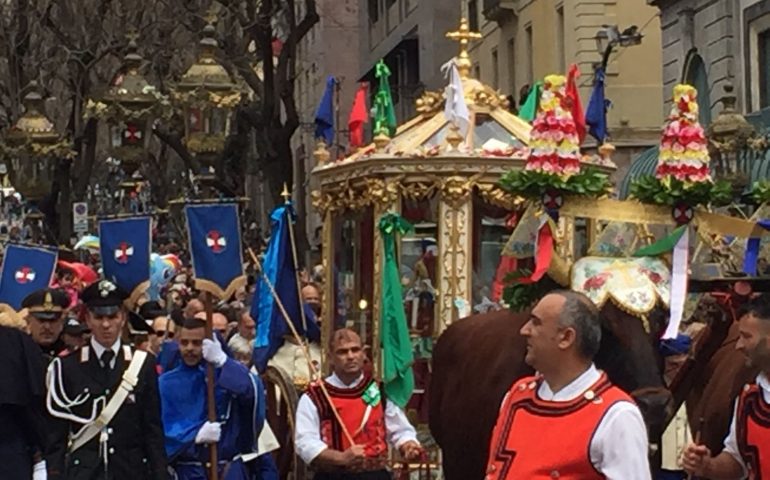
(39, 471)
(213, 353)
(209, 433)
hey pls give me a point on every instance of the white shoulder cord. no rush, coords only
(58, 395)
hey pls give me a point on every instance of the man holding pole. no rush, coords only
(104, 400)
(746, 452)
(240, 414)
(344, 425)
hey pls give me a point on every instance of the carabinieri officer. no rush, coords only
(104, 402)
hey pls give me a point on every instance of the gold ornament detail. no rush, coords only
(494, 195)
(455, 190)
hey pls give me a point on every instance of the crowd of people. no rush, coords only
(92, 389)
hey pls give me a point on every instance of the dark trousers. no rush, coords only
(671, 475)
(375, 475)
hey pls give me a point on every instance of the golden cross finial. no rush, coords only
(463, 36)
(211, 15)
(286, 194)
(132, 35)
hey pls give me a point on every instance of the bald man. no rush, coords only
(218, 322)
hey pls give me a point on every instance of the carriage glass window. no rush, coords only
(353, 260)
(487, 132)
(492, 226)
(418, 255)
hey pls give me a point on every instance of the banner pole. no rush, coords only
(211, 400)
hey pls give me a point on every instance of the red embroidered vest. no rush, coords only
(538, 439)
(753, 431)
(352, 409)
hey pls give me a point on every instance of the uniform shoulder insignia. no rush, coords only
(84, 354)
(127, 353)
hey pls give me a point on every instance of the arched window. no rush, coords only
(695, 75)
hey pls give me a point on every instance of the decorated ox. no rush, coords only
(478, 358)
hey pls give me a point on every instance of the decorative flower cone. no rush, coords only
(683, 147)
(554, 144)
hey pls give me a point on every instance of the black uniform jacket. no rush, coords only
(135, 449)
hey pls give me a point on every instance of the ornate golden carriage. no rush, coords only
(446, 186)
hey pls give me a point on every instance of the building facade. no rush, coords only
(329, 49)
(713, 43)
(410, 36)
(525, 40)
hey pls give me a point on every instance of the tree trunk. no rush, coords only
(65, 202)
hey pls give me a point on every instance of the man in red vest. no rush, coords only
(569, 421)
(371, 419)
(746, 450)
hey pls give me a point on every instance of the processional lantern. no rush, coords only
(207, 97)
(32, 148)
(729, 135)
(130, 106)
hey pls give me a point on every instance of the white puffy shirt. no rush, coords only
(307, 433)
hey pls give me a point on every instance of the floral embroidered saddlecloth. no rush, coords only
(635, 284)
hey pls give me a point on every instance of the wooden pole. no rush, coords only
(211, 400)
(313, 371)
(287, 199)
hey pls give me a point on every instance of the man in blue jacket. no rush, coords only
(240, 414)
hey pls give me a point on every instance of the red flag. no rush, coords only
(359, 115)
(575, 106)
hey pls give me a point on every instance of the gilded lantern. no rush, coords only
(32, 148)
(130, 105)
(207, 96)
(728, 135)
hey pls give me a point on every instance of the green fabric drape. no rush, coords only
(397, 356)
(385, 113)
(528, 111)
(664, 245)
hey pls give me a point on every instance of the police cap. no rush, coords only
(104, 297)
(46, 303)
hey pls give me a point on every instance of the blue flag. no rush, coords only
(125, 245)
(752, 249)
(324, 116)
(214, 234)
(596, 112)
(278, 266)
(25, 269)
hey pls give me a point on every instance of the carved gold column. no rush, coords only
(385, 198)
(329, 305)
(454, 272)
(565, 233)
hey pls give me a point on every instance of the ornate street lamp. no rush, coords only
(207, 96)
(32, 148)
(729, 136)
(129, 106)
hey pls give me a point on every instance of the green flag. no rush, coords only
(528, 111)
(397, 357)
(384, 112)
(664, 245)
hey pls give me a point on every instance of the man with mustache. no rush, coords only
(46, 308)
(746, 450)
